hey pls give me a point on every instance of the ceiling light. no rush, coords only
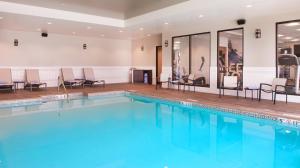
(148, 35)
(298, 29)
(89, 27)
(294, 40)
(166, 23)
(121, 31)
(292, 24)
(201, 16)
(249, 6)
(141, 29)
(73, 33)
(1, 17)
(39, 29)
(288, 38)
(49, 23)
(102, 35)
(280, 35)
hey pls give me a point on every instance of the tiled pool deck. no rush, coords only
(263, 109)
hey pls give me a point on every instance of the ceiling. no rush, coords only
(177, 16)
(121, 9)
(289, 32)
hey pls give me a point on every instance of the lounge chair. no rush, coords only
(163, 78)
(33, 79)
(69, 79)
(6, 82)
(230, 83)
(278, 86)
(90, 78)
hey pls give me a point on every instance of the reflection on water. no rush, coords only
(129, 132)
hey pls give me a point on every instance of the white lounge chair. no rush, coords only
(69, 79)
(90, 79)
(33, 79)
(6, 82)
(278, 86)
(230, 83)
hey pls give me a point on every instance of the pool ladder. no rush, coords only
(61, 83)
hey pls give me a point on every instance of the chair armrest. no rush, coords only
(280, 86)
(264, 84)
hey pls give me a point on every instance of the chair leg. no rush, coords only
(194, 88)
(286, 98)
(259, 95)
(219, 92)
(223, 92)
(237, 93)
(274, 97)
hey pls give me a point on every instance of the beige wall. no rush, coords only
(257, 52)
(62, 50)
(146, 58)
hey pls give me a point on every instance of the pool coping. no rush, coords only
(282, 120)
(77, 95)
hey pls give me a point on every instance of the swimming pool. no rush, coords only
(132, 131)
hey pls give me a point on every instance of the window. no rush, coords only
(230, 54)
(288, 53)
(191, 55)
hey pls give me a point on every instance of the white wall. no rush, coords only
(110, 58)
(146, 59)
(259, 54)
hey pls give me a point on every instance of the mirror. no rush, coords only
(230, 55)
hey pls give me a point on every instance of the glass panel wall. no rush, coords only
(200, 58)
(191, 55)
(288, 54)
(181, 57)
(230, 55)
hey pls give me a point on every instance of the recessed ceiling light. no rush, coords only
(294, 40)
(288, 38)
(73, 33)
(89, 27)
(166, 23)
(49, 23)
(201, 16)
(1, 17)
(280, 35)
(292, 24)
(148, 35)
(141, 29)
(102, 35)
(298, 29)
(121, 31)
(249, 6)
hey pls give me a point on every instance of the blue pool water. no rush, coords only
(129, 131)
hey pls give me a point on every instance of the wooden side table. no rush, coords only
(252, 89)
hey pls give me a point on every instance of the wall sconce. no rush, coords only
(16, 42)
(84, 46)
(258, 33)
(166, 43)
